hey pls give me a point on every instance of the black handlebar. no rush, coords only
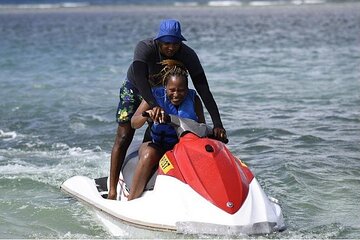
(168, 120)
(145, 114)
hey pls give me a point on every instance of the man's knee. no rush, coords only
(124, 136)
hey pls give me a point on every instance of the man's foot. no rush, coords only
(112, 195)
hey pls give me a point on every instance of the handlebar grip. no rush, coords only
(145, 114)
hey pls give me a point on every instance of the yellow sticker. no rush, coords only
(165, 164)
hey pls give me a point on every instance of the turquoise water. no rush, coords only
(286, 79)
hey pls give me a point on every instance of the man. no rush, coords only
(142, 75)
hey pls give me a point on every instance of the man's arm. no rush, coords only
(142, 84)
(202, 87)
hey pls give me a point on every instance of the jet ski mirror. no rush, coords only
(183, 125)
(188, 125)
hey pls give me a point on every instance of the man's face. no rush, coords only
(169, 49)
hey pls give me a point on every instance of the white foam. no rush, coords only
(77, 126)
(314, 1)
(53, 167)
(74, 4)
(17, 107)
(46, 5)
(23, 168)
(224, 3)
(300, 2)
(7, 136)
(60, 146)
(186, 4)
(23, 207)
(98, 118)
(265, 3)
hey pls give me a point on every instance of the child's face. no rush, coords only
(176, 89)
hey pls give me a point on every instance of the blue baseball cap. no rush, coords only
(170, 31)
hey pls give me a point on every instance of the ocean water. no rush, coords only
(285, 75)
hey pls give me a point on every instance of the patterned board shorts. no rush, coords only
(130, 100)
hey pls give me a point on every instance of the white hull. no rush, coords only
(200, 188)
(174, 206)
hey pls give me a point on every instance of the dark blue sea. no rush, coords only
(285, 75)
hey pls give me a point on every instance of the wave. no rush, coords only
(54, 166)
(224, 3)
(6, 136)
(186, 4)
(214, 3)
(263, 3)
(45, 5)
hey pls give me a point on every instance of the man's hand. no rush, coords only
(220, 134)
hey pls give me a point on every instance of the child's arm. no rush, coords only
(137, 120)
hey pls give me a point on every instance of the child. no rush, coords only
(174, 98)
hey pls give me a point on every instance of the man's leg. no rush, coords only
(124, 136)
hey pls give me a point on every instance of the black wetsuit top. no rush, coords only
(146, 63)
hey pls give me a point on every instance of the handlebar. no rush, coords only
(167, 116)
(184, 124)
(145, 114)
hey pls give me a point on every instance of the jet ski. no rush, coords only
(200, 187)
